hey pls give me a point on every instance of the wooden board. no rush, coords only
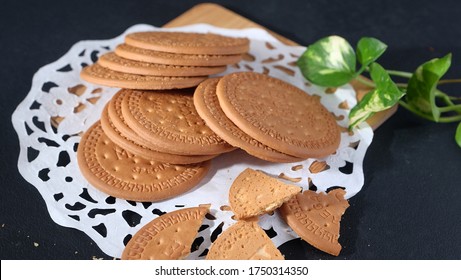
(219, 16)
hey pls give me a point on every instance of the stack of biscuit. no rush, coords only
(150, 143)
(160, 116)
(165, 60)
(267, 117)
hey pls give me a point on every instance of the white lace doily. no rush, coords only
(60, 106)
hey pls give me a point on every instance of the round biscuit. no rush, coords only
(207, 104)
(169, 121)
(121, 174)
(144, 151)
(188, 43)
(116, 63)
(278, 114)
(100, 75)
(139, 54)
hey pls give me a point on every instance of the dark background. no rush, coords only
(410, 205)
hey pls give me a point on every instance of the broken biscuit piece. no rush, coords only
(244, 241)
(254, 193)
(168, 237)
(315, 218)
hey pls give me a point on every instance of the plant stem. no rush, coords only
(449, 81)
(441, 119)
(445, 109)
(365, 81)
(406, 106)
(399, 73)
(450, 119)
(447, 99)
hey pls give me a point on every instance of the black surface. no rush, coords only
(410, 205)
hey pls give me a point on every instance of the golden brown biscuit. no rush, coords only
(116, 63)
(254, 193)
(315, 218)
(169, 121)
(207, 105)
(181, 59)
(188, 43)
(121, 174)
(97, 74)
(244, 240)
(278, 114)
(168, 237)
(144, 150)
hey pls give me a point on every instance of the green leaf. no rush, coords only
(422, 86)
(329, 62)
(369, 50)
(458, 135)
(384, 96)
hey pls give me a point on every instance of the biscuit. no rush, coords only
(131, 141)
(169, 121)
(121, 174)
(141, 150)
(278, 114)
(168, 237)
(97, 74)
(114, 62)
(188, 43)
(315, 218)
(207, 105)
(254, 193)
(244, 241)
(117, 119)
(151, 56)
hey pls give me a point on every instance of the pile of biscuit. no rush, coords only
(150, 144)
(157, 135)
(165, 60)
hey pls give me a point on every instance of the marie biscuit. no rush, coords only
(168, 237)
(122, 174)
(278, 115)
(188, 42)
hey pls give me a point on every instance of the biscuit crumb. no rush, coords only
(285, 177)
(36, 244)
(318, 166)
(76, 252)
(225, 208)
(297, 167)
(3, 225)
(96, 258)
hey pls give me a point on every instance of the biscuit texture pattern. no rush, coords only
(168, 237)
(121, 174)
(188, 43)
(278, 114)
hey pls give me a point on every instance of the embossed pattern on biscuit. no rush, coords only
(114, 62)
(188, 42)
(121, 174)
(169, 120)
(143, 150)
(168, 237)
(254, 193)
(315, 218)
(278, 114)
(130, 52)
(97, 74)
(207, 104)
(244, 241)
